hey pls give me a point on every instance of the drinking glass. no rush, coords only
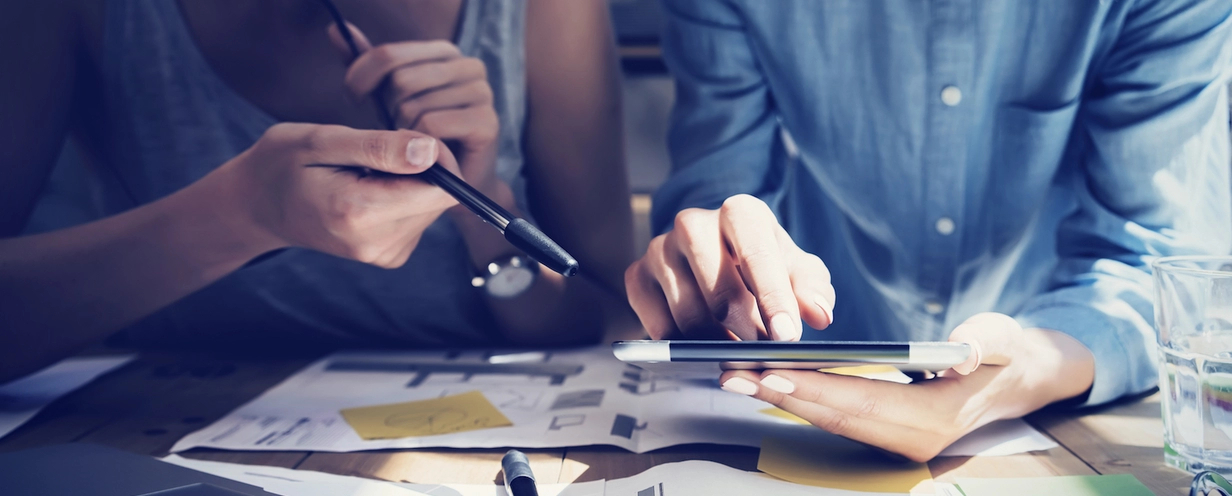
(1193, 314)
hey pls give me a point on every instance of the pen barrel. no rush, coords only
(481, 205)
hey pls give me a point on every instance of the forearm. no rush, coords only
(63, 290)
(554, 310)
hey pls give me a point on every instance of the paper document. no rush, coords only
(841, 464)
(23, 398)
(1000, 438)
(288, 482)
(457, 413)
(1072, 485)
(691, 478)
(553, 399)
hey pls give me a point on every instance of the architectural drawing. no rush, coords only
(578, 399)
(556, 373)
(569, 420)
(625, 425)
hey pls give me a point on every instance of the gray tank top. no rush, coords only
(175, 120)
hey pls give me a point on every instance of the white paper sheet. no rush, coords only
(288, 482)
(702, 478)
(1000, 438)
(690, 478)
(556, 399)
(23, 398)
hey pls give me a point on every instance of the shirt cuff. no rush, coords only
(1114, 367)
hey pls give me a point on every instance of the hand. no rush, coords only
(432, 89)
(729, 273)
(338, 190)
(1011, 372)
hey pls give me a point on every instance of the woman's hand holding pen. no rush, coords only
(432, 88)
(730, 273)
(334, 189)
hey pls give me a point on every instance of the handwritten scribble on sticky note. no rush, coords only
(447, 415)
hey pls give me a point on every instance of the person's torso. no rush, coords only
(931, 143)
(166, 118)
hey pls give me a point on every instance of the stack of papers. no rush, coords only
(691, 478)
(556, 399)
(23, 398)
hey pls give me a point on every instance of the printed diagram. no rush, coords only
(650, 491)
(624, 426)
(578, 399)
(642, 382)
(556, 373)
(568, 420)
(506, 399)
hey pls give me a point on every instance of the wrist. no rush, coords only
(1053, 367)
(484, 243)
(221, 213)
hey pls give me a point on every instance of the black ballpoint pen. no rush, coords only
(519, 480)
(520, 233)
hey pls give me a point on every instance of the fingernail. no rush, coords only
(783, 328)
(826, 308)
(421, 152)
(740, 385)
(779, 384)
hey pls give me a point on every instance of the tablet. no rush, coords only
(713, 356)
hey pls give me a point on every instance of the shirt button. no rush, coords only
(951, 95)
(945, 226)
(934, 307)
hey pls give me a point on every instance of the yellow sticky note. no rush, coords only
(783, 414)
(457, 413)
(840, 464)
(862, 370)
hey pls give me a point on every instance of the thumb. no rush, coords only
(339, 41)
(395, 152)
(992, 337)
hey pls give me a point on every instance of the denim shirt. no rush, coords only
(946, 158)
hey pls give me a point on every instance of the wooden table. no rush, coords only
(150, 403)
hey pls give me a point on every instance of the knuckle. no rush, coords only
(313, 140)
(485, 91)
(446, 46)
(402, 81)
(383, 56)
(869, 407)
(742, 203)
(775, 301)
(837, 424)
(376, 151)
(476, 68)
(489, 129)
(688, 219)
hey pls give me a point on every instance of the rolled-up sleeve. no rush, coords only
(1152, 152)
(724, 127)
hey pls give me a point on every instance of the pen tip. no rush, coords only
(540, 247)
